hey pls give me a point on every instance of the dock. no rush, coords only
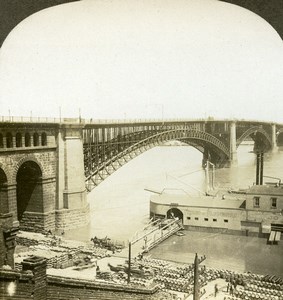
(152, 234)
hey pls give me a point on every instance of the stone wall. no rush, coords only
(45, 158)
(53, 180)
(79, 217)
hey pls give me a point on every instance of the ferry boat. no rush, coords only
(256, 211)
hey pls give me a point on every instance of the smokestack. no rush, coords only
(259, 168)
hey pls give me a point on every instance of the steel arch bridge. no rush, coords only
(110, 145)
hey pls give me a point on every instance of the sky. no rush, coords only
(130, 59)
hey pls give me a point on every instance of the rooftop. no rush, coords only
(266, 190)
(197, 201)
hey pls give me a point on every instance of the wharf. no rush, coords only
(152, 234)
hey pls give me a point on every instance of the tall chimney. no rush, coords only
(259, 168)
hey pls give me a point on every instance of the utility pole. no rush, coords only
(197, 293)
(129, 267)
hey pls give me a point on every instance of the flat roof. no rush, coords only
(195, 201)
(271, 190)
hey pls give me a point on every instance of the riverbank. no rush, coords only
(165, 265)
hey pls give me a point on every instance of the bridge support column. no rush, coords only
(72, 207)
(233, 143)
(274, 146)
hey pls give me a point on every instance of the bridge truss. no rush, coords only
(103, 157)
(109, 146)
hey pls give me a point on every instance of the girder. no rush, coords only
(123, 150)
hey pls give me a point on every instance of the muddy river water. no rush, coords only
(120, 206)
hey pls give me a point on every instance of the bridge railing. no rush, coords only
(132, 121)
(79, 120)
(17, 119)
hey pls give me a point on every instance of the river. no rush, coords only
(120, 204)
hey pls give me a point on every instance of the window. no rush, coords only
(225, 221)
(18, 140)
(9, 140)
(43, 139)
(35, 139)
(27, 140)
(273, 202)
(196, 218)
(205, 219)
(188, 218)
(214, 220)
(1, 141)
(256, 201)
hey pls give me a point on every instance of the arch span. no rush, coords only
(29, 190)
(98, 169)
(255, 132)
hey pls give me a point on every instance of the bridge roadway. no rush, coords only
(47, 165)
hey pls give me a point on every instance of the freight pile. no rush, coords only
(169, 276)
(145, 271)
(174, 277)
(179, 278)
(268, 288)
(250, 286)
(59, 253)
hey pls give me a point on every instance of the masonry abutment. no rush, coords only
(72, 207)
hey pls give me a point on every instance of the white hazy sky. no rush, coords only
(137, 58)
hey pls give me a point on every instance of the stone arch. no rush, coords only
(22, 161)
(175, 213)
(29, 190)
(4, 205)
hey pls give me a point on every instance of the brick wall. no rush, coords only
(29, 283)
(66, 288)
(46, 158)
(33, 282)
(16, 285)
